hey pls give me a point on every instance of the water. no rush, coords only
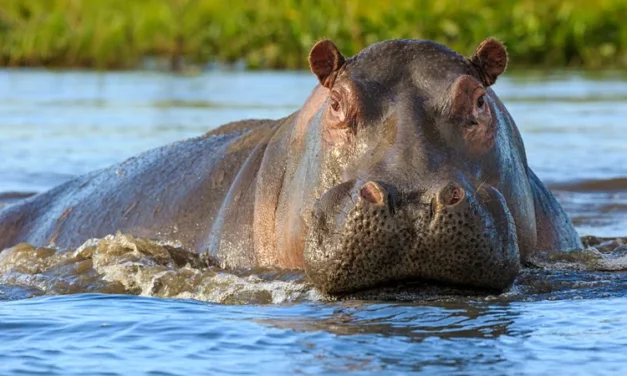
(55, 335)
(121, 305)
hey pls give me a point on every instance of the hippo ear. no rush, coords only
(491, 60)
(325, 60)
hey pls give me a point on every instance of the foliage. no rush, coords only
(279, 33)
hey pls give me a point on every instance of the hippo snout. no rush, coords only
(361, 236)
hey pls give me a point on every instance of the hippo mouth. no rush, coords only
(363, 239)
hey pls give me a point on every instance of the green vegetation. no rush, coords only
(279, 33)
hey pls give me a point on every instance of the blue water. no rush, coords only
(56, 125)
(111, 335)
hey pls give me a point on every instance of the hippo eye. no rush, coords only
(481, 101)
(335, 101)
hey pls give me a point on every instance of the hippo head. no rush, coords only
(414, 159)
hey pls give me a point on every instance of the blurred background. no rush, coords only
(88, 83)
(279, 33)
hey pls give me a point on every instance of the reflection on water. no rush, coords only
(70, 335)
(563, 315)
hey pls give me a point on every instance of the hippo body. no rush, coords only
(402, 165)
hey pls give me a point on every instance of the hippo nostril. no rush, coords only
(456, 195)
(450, 195)
(373, 193)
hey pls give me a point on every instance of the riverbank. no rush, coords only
(121, 34)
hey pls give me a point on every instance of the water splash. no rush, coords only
(123, 264)
(601, 254)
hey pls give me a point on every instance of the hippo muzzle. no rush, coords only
(367, 237)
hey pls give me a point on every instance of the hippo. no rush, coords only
(402, 165)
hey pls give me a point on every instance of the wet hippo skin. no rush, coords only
(403, 164)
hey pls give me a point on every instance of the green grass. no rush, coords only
(118, 34)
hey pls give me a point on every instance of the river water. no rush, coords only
(126, 306)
